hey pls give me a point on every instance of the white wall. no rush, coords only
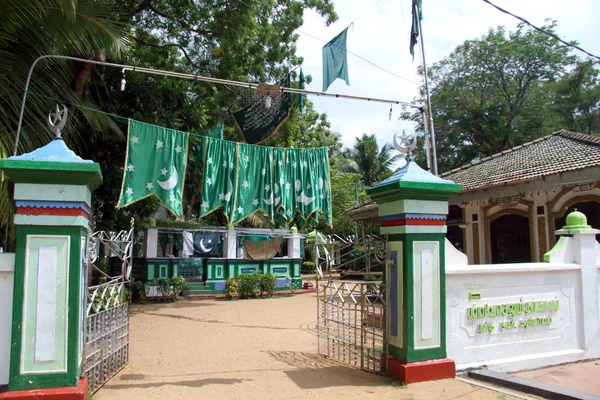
(7, 270)
(572, 333)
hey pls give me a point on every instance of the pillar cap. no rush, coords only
(53, 163)
(576, 223)
(413, 182)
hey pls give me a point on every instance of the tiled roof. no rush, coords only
(559, 152)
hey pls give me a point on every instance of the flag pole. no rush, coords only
(428, 112)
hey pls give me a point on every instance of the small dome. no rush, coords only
(576, 220)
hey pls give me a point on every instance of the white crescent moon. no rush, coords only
(171, 182)
(302, 198)
(204, 249)
(228, 194)
(399, 147)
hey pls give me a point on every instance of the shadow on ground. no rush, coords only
(186, 383)
(314, 371)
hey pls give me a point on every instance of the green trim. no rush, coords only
(65, 173)
(408, 353)
(562, 241)
(42, 380)
(413, 190)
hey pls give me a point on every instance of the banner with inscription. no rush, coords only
(261, 119)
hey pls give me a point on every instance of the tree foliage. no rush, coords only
(368, 160)
(494, 93)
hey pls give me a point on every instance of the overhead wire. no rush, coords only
(348, 51)
(553, 35)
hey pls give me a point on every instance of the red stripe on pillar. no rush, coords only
(65, 212)
(414, 221)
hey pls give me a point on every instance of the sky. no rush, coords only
(381, 36)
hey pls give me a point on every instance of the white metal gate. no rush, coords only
(106, 349)
(351, 323)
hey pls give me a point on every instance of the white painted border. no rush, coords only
(25, 277)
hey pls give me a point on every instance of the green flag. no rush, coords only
(216, 131)
(155, 165)
(417, 17)
(220, 167)
(335, 60)
(255, 189)
(301, 82)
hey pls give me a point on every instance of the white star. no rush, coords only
(246, 158)
(163, 171)
(159, 144)
(263, 172)
(294, 164)
(240, 210)
(245, 185)
(178, 149)
(288, 185)
(281, 181)
(305, 164)
(135, 139)
(204, 205)
(224, 164)
(267, 187)
(221, 196)
(149, 186)
(308, 186)
(255, 202)
(208, 181)
(129, 191)
(281, 163)
(230, 165)
(172, 198)
(209, 160)
(130, 167)
(287, 161)
(289, 212)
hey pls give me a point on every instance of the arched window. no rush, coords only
(510, 241)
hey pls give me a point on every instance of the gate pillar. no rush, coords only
(53, 188)
(413, 205)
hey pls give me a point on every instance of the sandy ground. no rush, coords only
(249, 349)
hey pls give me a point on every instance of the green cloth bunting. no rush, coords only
(335, 60)
(155, 164)
(216, 131)
(278, 184)
(220, 173)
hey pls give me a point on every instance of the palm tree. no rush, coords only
(88, 29)
(368, 160)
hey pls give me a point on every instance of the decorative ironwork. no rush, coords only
(106, 345)
(360, 255)
(105, 296)
(120, 244)
(351, 323)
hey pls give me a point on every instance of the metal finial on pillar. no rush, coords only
(57, 120)
(407, 145)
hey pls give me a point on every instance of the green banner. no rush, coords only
(278, 184)
(154, 166)
(216, 131)
(335, 60)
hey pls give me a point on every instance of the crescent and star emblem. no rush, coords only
(407, 144)
(171, 182)
(57, 120)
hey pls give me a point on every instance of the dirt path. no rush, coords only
(250, 349)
